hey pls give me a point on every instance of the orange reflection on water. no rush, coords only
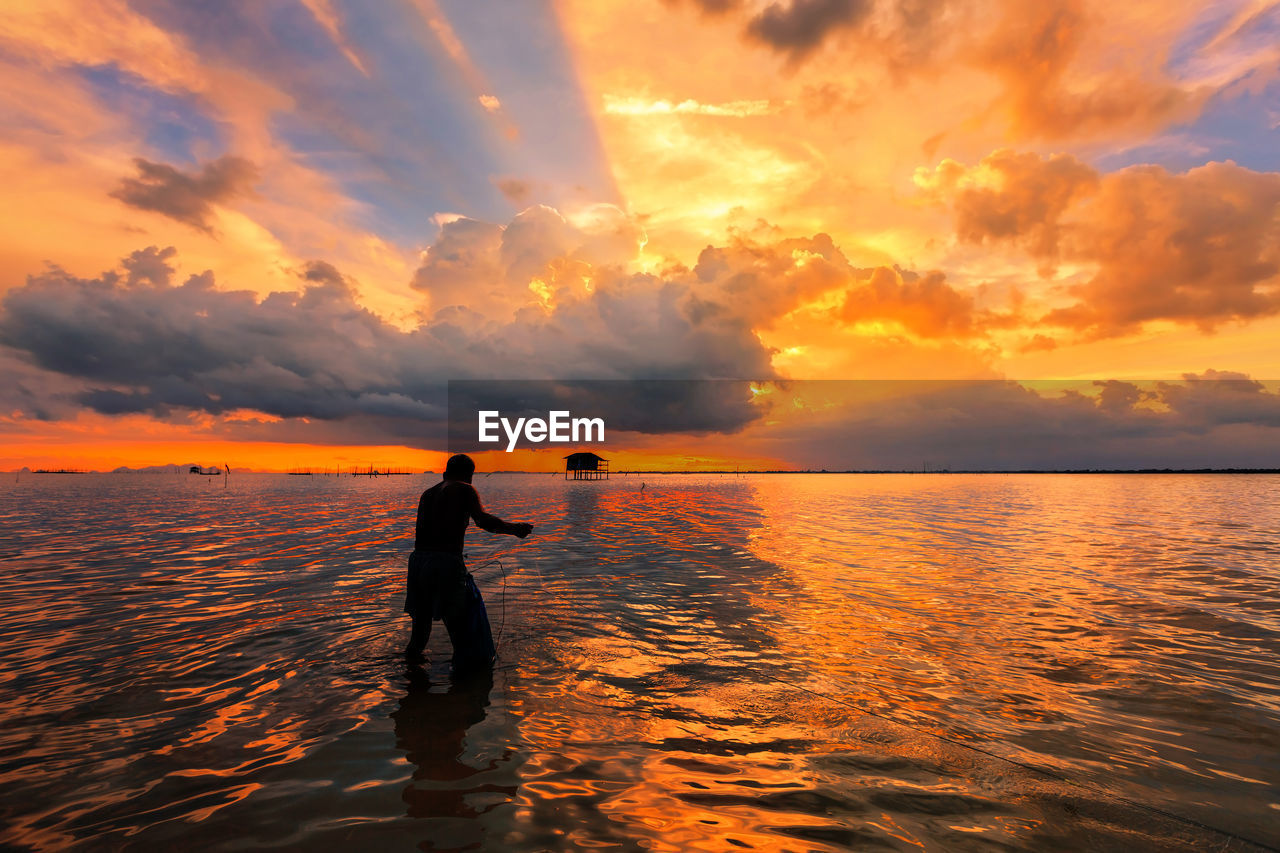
(707, 663)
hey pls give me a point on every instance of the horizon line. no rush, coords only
(735, 471)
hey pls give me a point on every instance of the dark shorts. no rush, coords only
(436, 585)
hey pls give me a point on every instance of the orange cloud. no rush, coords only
(829, 144)
(1012, 196)
(328, 18)
(924, 304)
(186, 198)
(1064, 68)
(1198, 248)
(813, 124)
(1061, 76)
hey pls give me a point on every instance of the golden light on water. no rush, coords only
(789, 236)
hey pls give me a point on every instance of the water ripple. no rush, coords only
(716, 663)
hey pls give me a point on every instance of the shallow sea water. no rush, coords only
(769, 662)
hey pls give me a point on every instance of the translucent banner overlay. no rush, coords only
(1205, 422)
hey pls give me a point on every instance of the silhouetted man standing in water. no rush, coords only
(438, 586)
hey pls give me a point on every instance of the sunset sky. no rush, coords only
(268, 233)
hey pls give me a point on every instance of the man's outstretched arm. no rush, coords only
(493, 524)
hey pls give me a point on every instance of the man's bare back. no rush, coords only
(443, 513)
(437, 585)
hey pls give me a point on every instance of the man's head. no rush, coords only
(459, 467)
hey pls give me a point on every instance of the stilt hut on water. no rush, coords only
(585, 466)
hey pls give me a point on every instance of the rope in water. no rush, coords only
(502, 621)
(1032, 768)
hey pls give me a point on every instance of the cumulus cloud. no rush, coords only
(1200, 247)
(186, 197)
(763, 281)
(463, 266)
(149, 265)
(760, 281)
(1013, 196)
(924, 304)
(149, 346)
(531, 241)
(139, 343)
(134, 340)
(546, 296)
(537, 257)
(1117, 396)
(554, 296)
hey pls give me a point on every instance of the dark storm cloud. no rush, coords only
(150, 347)
(1211, 420)
(796, 28)
(1200, 422)
(1217, 398)
(323, 272)
(186, 197)
(32, 393)
(543, 299)
(799, 27)
(136, 343)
